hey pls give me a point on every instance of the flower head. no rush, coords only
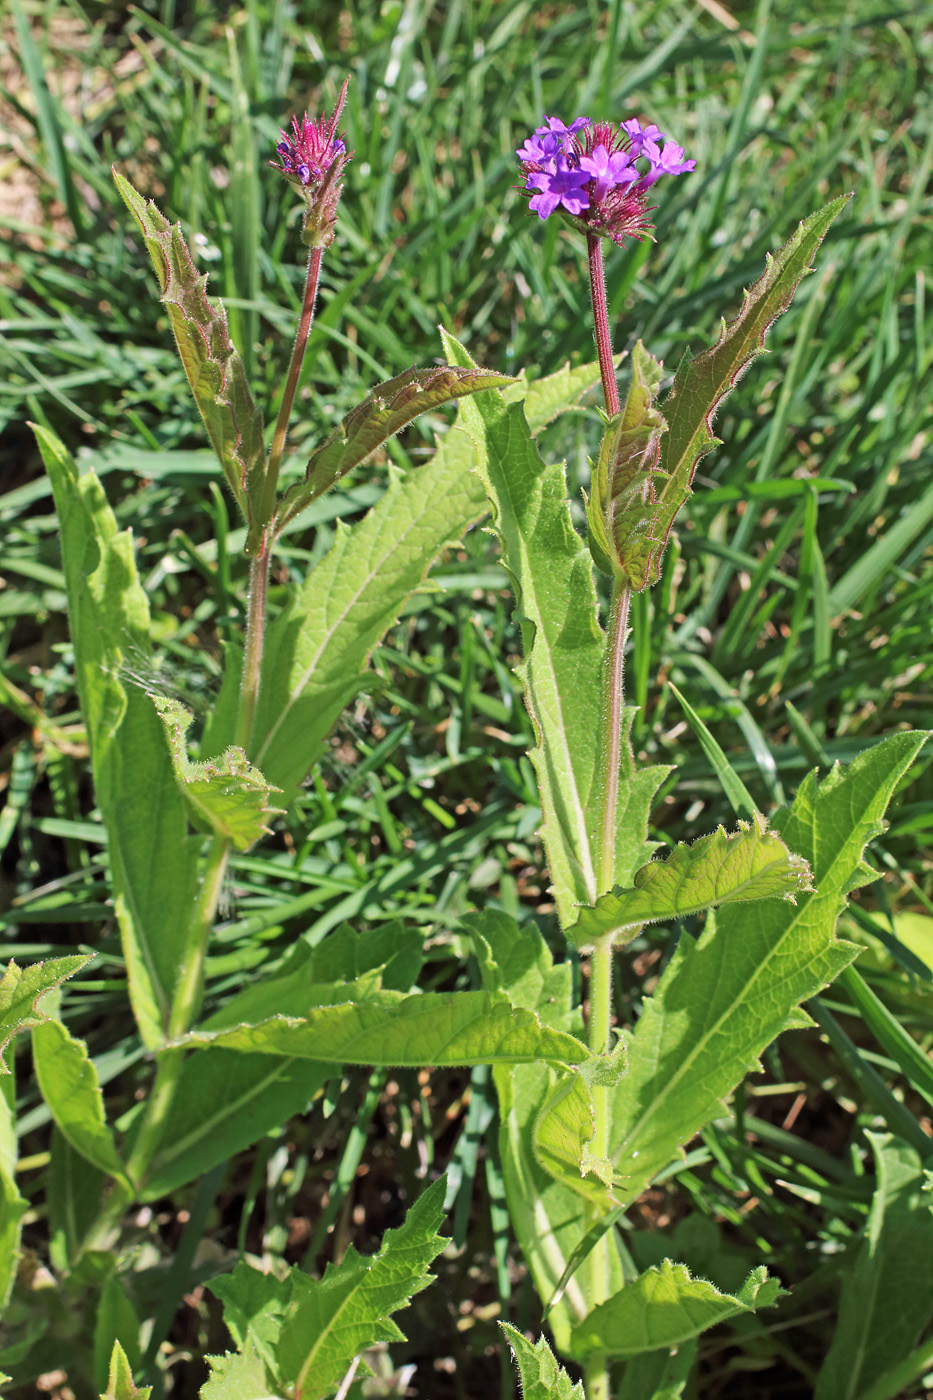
(312, 159)
(588, 170)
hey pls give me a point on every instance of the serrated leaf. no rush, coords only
(664, 1307)
(542, 1377)
(227, 795)
(120, 1385)
(212, 364)
(240, 1375)
(545, 399)
(723, 868)
(153, 862)
(724, 998)
(563, 1130)
(642, 527)
(317, 649)
(69, 1084)
(887, 1290)
(383, 413)
(564, 649)
(21, 988)
(624, 477)
(314, 1328)
(455, 1028)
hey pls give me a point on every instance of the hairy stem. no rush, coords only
(291, 384)
(612, 736)
(252, 650)
(607, 369)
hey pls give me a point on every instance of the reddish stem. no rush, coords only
(607, 369)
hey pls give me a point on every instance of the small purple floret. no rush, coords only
(669, 161)
(561, 186)
(608, 170)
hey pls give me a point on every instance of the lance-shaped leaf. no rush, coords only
(307, 1332)
(212, 364)
(120, 1384)
(317, 649)
(21, 988)
(664, 1307)
(70, 1086)
(642, 522)
(153, 863)
(542, 1377)
(564, 652)
(624, 476)
(388, 409)
(724, 868)
(887, 1290)
(722, 999)
(226, 795)
(456, 1028)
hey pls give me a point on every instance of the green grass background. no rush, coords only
(795, 609)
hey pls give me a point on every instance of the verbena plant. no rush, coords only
(589, 1117)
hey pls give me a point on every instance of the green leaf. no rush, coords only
(724, 998)
(317, 650)
(564, 649)
(664, 1307)
(658, 1375)
(115, 1324)
(748, 864)
(309, 1331)
(21, 988)
(153, 862)
(625, 475)
(565, 1127)
(643, 519)
(13, 1206)
(227, 795)
(74, 1198)
(542, 1377)
(240, 1375)
(388, 409)
(455, 1028)
(69, 1084)
(887, 1290)
(225, 1102)
(214, 368)
(120, 1383)
(545, 1212)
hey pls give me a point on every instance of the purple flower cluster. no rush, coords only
(588, 169)
(312, 159)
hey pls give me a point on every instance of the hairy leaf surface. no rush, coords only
(227, 795)
(724, 868)
(317, 649)
(21, 988)
(642, 521)
(724, 998)
(564, 651)
(214, 368)
(665, 1306)
(542, 1377)
(388, 409)
(308, 1331)
(455, 1028)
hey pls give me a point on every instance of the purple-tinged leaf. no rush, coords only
(699, 387)
(212, 364)
(388, 409)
